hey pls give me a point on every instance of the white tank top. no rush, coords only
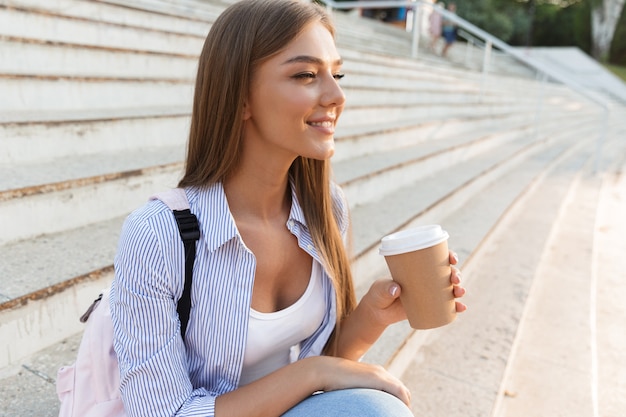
(274, 338)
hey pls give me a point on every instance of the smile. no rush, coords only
(326, 124)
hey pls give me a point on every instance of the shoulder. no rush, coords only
(151, 224)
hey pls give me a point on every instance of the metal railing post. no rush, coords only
(486, 59)
(543, 79)
(417, 17)
(469, 50)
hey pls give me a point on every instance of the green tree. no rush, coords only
(618, 46)
(604, 17)
(563, 26)
(536, 22)
(485, 15)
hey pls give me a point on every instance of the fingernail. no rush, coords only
(393, 290)
(455, 256)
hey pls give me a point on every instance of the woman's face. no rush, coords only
(295, 100)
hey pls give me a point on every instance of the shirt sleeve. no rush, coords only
(154, 379)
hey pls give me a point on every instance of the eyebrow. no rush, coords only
(310, 60)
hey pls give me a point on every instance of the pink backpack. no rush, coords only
(91, 386)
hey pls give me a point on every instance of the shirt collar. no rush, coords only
(296, 213)
(209, 204)
(217, 224)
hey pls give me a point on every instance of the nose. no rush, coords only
(333, 95)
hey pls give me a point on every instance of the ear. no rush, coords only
(246, 110)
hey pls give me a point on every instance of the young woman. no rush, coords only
(274, 317)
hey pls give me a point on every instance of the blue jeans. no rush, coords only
(357, 402)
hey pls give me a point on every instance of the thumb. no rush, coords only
(394, 289)
(384, 292)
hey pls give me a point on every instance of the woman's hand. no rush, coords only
(379, 308)
(382, 301)
(455, 280)
(337, 373)
(280, 390)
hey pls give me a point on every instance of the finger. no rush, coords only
(455, 276)
(405, 396)
(458, 291)
(394, 289)
(383, 293)
(401, 391)
(460, 307)
(454, 258)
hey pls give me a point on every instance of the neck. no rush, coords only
(257, 196)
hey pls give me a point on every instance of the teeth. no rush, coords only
(322, 124)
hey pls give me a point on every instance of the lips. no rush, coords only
(326, 124)
(323, 121)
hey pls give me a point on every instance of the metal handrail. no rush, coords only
(490, 41)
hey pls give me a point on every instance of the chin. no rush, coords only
(326, 154)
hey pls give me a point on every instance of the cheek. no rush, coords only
(295, 100)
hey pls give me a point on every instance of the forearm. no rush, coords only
(273, 394)
(276, 393)
(359, 332)
(378, 308)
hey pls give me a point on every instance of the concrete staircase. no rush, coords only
(95, 99)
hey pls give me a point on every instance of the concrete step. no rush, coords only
(365, 178)
(55, 93)
(573, 339)
(364, 139)
(54, 207)
(55, 135)
(28, 23)
(189, 9)
(34, 57)
(30, 390)
(149, 16)
(411, 113)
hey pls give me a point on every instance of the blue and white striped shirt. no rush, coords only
(161, 376)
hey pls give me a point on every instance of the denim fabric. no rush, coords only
(357, 402)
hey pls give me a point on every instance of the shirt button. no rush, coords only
(290, 223)
(309, 247)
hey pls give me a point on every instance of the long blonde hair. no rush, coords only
(242, 37)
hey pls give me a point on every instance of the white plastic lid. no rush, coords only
(412, 239)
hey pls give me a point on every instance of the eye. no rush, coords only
(305, 75)
(339, 76)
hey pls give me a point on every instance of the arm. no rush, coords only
(153, 363)
(277, 392)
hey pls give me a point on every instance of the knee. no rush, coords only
(381, 404)
(356, 402)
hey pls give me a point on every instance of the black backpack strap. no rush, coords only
(189, 233)
(176, 200)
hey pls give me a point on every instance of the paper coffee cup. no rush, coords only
(419, 261)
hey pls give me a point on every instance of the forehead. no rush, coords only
(315, 40)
